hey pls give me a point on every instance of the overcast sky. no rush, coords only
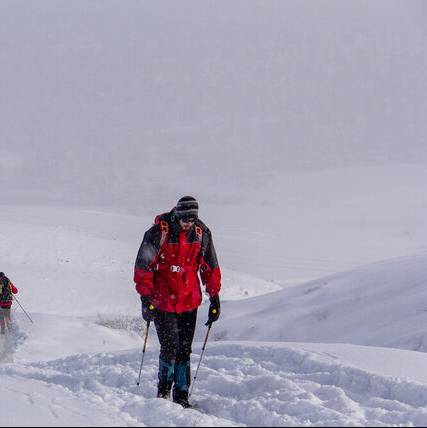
(102, 100)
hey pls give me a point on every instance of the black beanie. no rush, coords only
(187, 206)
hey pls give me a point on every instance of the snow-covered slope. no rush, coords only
(79, 262)
(302, 226)
(57, 369)
(384, 304)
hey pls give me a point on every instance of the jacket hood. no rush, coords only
(169, 216)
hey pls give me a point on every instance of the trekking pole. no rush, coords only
(143, 355)
(25, 312)
(200, 360)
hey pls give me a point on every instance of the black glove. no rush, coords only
(214, 310)
(147, 309)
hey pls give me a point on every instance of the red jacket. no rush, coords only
(169, 261)
(8, 303)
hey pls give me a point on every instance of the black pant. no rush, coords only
(176, 334)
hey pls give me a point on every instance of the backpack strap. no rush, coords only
(164, 228)
(199, 232)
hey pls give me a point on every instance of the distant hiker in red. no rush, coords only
(174, 251)
(7, 290)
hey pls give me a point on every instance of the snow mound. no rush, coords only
(383, 304)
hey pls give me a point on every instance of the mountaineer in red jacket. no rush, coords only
(174, 251)
(7, 290)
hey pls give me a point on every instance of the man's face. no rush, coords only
(186, 222)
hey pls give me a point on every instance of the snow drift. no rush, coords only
(383, 304)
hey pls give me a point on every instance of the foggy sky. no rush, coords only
(101, 101)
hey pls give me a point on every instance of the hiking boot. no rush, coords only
(164, 390)
(181, 398)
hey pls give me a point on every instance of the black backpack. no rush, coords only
(5, 290)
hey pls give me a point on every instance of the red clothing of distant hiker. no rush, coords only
(6, 291)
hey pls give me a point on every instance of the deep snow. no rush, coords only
(78, 363)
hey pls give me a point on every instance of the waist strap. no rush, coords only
(175, 268)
